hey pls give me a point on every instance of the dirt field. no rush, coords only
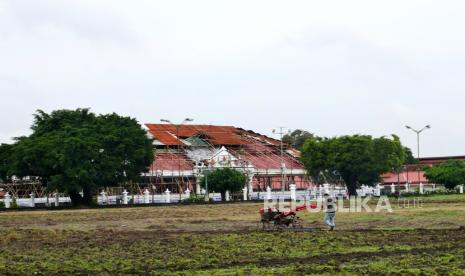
(224, 239)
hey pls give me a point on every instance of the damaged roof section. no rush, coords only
(199, 143)
(172, 135)
(172, 161)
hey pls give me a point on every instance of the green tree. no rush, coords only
(222, 180)
(450, 173)
(5, 152)
(76, 150)
(297, 138)
(358, 159)
(409, 158)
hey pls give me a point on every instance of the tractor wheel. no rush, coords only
(265, 225)
(297, 223)
(279, 226)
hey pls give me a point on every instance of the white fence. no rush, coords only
(33, 202)
(103, 199)
(167, 197)
(299, 194)
(147, 198)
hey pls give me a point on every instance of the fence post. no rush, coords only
(226, 195)
(146, 196)
(361, 192)
(188, 193)
(268, 193)
(57, 200)
(244, 193)
(377, 191)
(33, 199)
(167, 196)
(461, 189)
(292, 188)
(421, 188)
(250, 183)
(103, 195)
(7, 200)
(125, 197)
(197, 185)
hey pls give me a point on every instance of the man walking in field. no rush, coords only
(330, 211)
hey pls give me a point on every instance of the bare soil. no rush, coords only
(225, 240)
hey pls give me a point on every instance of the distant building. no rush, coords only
(414, 174)
(183, 152)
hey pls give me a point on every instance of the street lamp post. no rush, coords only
(179, 143)
(281, 132)
(418, 132)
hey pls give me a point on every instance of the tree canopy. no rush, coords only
(409, 158)
(297, 138)
(450, 173)
(358, 159)
(5, 152)
(76, 150)
(224, 179)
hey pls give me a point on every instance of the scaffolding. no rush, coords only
(249, 148)
(24, 188)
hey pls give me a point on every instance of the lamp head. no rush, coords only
(165, 121)
(189, 120)
(408, 127)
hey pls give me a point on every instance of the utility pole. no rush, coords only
(418, 132)
(280, 131)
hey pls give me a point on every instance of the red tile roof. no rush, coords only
(216, 135)
(404, 177)
(437, 160)
(259, 150)
(172, 162)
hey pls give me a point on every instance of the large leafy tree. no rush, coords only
(76, 150)
(357, 159)
(5, 152)
(450, 173)
(409, 158)
(222, 180)
(297, 138)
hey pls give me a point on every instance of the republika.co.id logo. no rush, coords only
(356, 204)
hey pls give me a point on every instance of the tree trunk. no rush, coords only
(351, 184)
(78, 200)
(87, 199)
(352, 188)
(223, 195)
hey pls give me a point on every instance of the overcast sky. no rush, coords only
(330, 67)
